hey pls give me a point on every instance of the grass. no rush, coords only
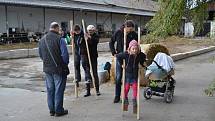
(26, 45)
(183, 41)
(170, 42)
(211, 89)
(177, 44)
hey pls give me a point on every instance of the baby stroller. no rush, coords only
(159, 75)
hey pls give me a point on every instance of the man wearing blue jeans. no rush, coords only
(118, 81)
(55, 57)
(118, 38)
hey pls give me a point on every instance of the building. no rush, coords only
(36, 15)
(208, 25)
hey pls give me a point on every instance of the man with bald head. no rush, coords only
(55, 57)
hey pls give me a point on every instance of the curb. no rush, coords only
(180, 56)
(28, 53)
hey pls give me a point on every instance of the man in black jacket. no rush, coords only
(55, 57)
(93, 39)
(118, 37)
(78, 36)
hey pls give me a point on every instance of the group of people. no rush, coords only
(55, 57)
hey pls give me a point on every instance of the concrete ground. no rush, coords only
(23, 98)
(27, 73)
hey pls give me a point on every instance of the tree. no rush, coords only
(168, 19)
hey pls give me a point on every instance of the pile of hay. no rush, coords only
(152, 49)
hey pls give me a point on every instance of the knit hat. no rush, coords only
(90, 27)
(133, 43)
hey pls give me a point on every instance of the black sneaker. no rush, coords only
(116, 99)
(77, 84)
(65, 112)
(52, 113)
(87, 95)
(98, 93)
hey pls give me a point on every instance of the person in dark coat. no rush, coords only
(78, 38)
(118, 38)
(55, 57)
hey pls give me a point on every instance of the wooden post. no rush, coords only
(73, 52)
(44, 19)
(6, 18)
(123, 77)
(138, 86)
(89, 59)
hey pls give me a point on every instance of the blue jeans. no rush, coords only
(118, 79)
(55, 84)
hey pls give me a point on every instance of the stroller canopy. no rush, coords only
(163, 60)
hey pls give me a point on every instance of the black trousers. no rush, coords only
(86, 66)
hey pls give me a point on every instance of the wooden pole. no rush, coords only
(89, 59)
(138, 86)
(73, 52)
(123, 77)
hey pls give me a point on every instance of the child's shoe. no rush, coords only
(135, 109)
(125, 105)
(134, 106)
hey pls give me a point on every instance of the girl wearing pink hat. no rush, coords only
(133, 57)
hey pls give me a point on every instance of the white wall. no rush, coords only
(55, 15)
(89, 17)
(118, 19)
(189, 29)
(2, 19)
(136, 19)
(145, 20)
(105, 19)
(30, 18)
(212, 31)
(33, 18)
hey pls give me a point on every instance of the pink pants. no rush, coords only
(134, 87)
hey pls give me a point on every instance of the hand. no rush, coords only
(87, 36)
(72, 33)
(115, 54)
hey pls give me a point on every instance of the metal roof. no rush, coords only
(79, 5)
(138, 4)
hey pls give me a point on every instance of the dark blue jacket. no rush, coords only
(79, 42)
(59, 52)
(131, 64)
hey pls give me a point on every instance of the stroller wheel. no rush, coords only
(148, 93)
(168, 96)
(173, 91)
